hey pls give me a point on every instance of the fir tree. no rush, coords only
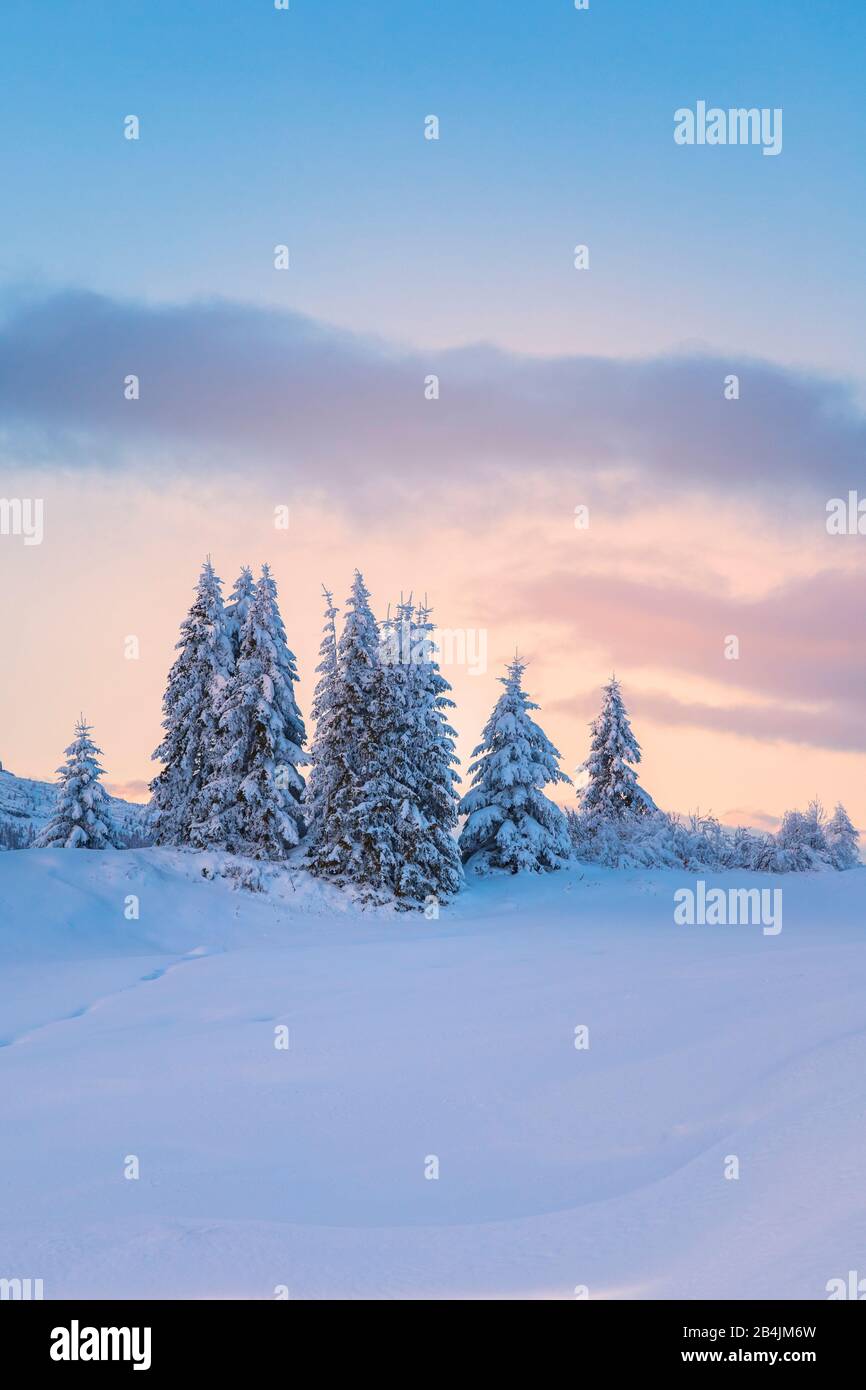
(842, 840)
(195, 683)
(386, 753)
(613, 789)
(325, 769)
(342, 846)
(82, 812)
(238, 607)
(252, 802)
(510, 821)
(406, 809)
(432, 866)
(383, 821)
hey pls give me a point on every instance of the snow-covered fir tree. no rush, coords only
(251, 804)
(238, 607)
(195, 682)
(384, 760)
(612, 788)
(81, 818)
(384, 823)
(510, 823)
(842, 842)
(432, 864)
(325, 766)
(341, 851)
(408, 794)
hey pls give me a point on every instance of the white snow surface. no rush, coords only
(410, 1038)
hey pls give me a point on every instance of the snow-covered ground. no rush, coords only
(558, 1167)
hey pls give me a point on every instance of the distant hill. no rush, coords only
(25, 806)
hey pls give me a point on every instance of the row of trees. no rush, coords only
(619, 825)
(380, 806)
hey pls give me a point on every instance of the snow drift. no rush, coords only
(261, 1167)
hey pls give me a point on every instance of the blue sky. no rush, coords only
(305, 127)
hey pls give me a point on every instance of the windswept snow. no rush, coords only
(409, 1039)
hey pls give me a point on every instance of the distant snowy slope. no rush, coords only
(25, 806)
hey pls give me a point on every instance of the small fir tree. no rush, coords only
(510, 823)
(842, 842)
(82, 812)
(612, 789)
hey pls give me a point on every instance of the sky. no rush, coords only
(559, 388)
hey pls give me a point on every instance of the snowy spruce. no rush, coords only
(251, 799)
(195, 682)
(324, 770)
(382, 784)
(434, 868)
(841, 838)
(335, 850)
(510, 823)
(82, 811)
(612, 789)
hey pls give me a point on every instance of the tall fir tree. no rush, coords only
(842, 842)
(81, 818)
(325, 766)
(384, 811)
(339, 850)
(395, 852)
(195, 684)
(238, 607)
(612, 789)
(432, 866)
(386, 757)
(252, 802)
(509, 820)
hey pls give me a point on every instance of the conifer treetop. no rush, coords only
(239, 605)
